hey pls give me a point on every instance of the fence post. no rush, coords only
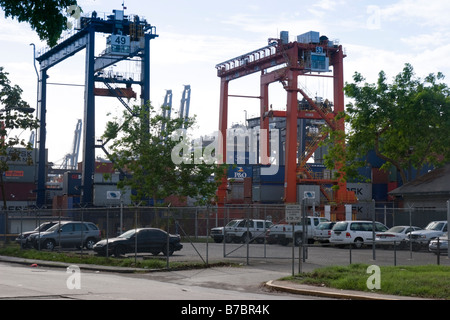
(438, 252)
(395, 253)
(207, 232)
(168, 236)
(350, 253)
(448, 224)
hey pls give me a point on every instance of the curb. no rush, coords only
(55, 264)
(326, 292)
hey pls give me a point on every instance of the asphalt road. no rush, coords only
(282, 258)
(264, 263)
(21, 282)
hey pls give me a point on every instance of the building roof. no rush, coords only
(435, 182)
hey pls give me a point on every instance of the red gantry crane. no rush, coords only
(283, 61)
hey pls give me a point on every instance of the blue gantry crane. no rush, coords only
(128, 38)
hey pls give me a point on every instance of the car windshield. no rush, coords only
(42, 227)
(53, 228)
(340, 226)
(435, 225)
(324, 225)
(128, 234)
(397, 229)
(231, 223)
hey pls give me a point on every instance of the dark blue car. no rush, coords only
(151, 240)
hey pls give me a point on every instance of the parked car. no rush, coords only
(422, 238)
(443, 245)
(322, 233)
(151, 240)
(395, 235)
(67, 234)
(355, 233)
(217, 233)
(23, 237)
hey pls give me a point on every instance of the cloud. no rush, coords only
(422, 12)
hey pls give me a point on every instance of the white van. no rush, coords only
(354, 232)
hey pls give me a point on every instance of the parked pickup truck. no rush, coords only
(421, 238)
(282, 233)
(242, 230)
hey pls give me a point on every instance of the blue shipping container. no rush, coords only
(240, 172)
(379, 192)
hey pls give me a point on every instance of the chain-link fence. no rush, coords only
(194, 225)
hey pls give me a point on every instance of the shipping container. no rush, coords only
(379, 176)
(373, 160)
(313, 190)
(260, 177)
(239, 172)
(18, 191)
(363, 210)
(268, 193)
(393, 174)
(363, 191)
(101, 197)
(309, 37)
(248, 189)
(379, 191)
(316, 167)
(284, 36)
(20, 173)
(72, 183)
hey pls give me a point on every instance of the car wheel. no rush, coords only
(90, 243)
(237, 240)
(358, 243)
(118, 251)
(246, 237)
(217, 240)
(228, 239)
(164, 250)
(155, 253)
(49, 245)
(259, 240)
(298, 240)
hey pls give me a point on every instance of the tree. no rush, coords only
(144, 145)
(406, 123)
(15, 116)
(47, 17)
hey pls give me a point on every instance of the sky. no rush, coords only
(194, 36)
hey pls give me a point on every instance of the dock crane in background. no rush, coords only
(184, 104)
(167, 107)
(284, 62)
(70, 161)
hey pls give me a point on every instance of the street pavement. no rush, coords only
(246, 278)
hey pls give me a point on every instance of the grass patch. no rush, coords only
(429, 281)
(157, 262)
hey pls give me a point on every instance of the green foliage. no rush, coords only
(47, 17)
(15, 117)
(143, 145)
(429, 281)
(89, 259)
(406, 122)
